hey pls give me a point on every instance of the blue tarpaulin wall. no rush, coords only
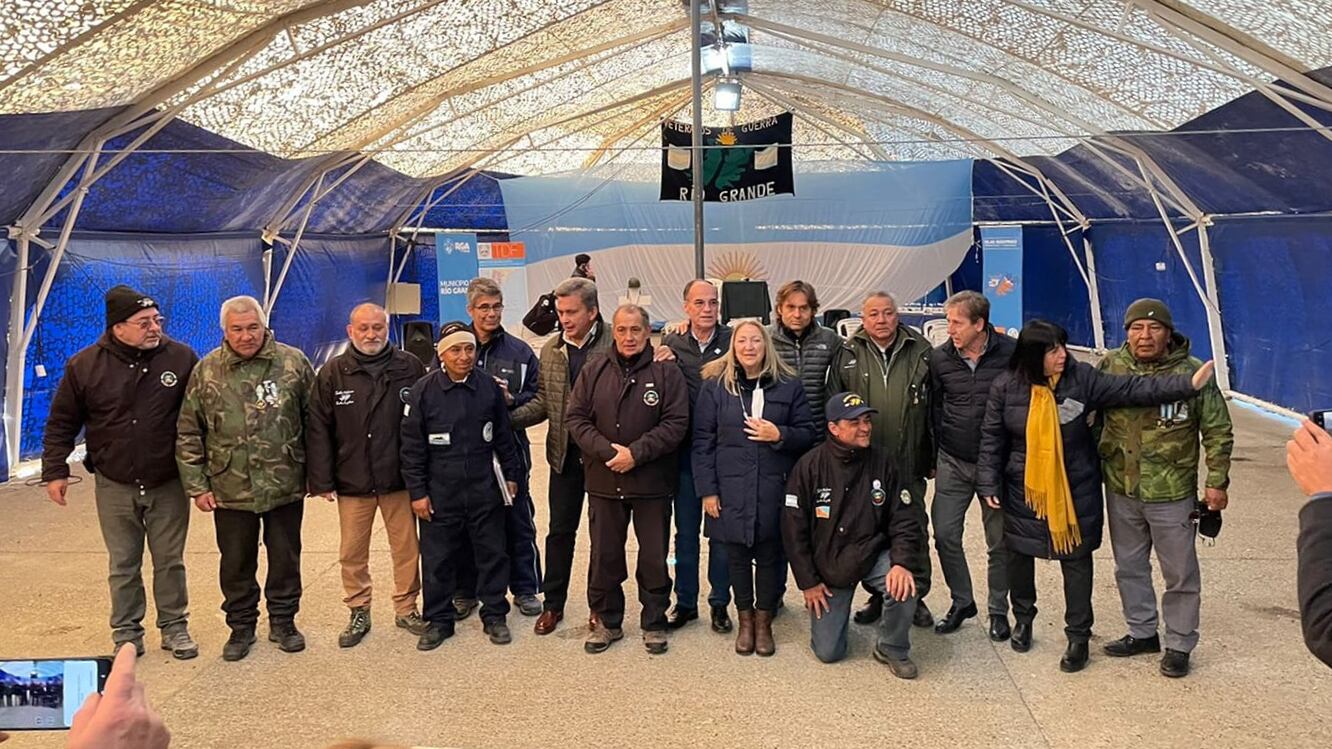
(191, 277)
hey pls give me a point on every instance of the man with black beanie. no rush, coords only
(125, 392)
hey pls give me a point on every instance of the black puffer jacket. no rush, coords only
(809, 355)
(1001, 469)
(958, 395)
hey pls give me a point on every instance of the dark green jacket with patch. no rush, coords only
(241, 432)
(1152, 453)
(897, 385)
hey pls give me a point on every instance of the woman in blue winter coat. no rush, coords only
(751, 423)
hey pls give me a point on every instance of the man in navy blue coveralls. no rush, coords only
(455, 425)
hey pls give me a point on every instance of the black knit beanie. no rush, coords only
(122, 303)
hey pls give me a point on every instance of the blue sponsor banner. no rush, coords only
(456, 264)
(1001, 254)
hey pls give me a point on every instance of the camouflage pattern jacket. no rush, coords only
(242, 427)
(1152, 453)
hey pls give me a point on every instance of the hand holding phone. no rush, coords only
(1322, 418)
(120, 717)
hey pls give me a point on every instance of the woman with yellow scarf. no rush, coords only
(1039, 465)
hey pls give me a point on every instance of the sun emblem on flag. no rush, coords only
(727, 137)
(736, 266)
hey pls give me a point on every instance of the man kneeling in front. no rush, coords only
(846, 521)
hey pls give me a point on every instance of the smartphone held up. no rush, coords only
(44, 694)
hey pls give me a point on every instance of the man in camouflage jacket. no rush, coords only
(1150, 465)
(241, 453)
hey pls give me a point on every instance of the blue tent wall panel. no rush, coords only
(328, 277)
(420, 269)
(45, 138)
(1126, 266)
(190, 277)
(1274, 277)
(477, 204)
(1052, 287)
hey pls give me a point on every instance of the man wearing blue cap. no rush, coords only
(848, 520)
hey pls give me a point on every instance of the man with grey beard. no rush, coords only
(352, 439)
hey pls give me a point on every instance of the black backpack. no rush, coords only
(542, 319)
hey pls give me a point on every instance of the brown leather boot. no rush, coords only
(744, 636)
(763, 642)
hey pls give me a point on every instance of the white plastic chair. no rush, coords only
(847, 327)
(935, 331)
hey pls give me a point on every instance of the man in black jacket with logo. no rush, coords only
(351, 444)
(847, 521)
(961, 372)
(125, 391)
(628, 415)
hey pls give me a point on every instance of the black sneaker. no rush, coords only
(1128, 645)
(498, 632)
(238, 645)
(434, 636)
(357, 628)
(680, 616)
(1175, 664)
(288, 638)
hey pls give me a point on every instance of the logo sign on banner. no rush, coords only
(1001, 253)
(505, 263)
(456, 263)
(755, 161)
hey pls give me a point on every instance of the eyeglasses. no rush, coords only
(148, 323)
(484, 308)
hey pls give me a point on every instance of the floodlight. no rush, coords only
(726, 96)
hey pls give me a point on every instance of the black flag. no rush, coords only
(753, 160)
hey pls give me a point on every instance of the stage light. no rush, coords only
(726, 96)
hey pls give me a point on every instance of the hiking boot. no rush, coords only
(434, 635)
(1128, 645)
(238, 645)
(498, 632)
(600, 637)
(357, 628)
(179, 642)
(902, 668)
(655, 641)
(412, 623)
(288, 638)
(463, 608)
(528, 604)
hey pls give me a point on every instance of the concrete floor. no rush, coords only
(1253, 682)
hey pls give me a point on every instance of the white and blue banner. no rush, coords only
(1001, 258)
(456, 265)
(899, 227)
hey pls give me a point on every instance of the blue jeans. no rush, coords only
(827, 635)
(688, 524)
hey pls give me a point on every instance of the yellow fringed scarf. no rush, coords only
(1046, 480)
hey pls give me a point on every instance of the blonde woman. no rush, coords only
(751, 423)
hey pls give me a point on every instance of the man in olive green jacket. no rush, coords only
(241, 452)
(887, 364)
(1149, 459)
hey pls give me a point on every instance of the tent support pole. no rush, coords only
(1215, 328)
(17, 360)
(696, 136)
(58, 253)
(1093, 291)
(291, 255)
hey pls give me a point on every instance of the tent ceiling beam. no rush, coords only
(658, 115)
(75, 42)
(1179, 17)
(629, 41)
(877, 153)
(953, 70)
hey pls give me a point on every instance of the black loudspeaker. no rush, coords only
(832, 316)
(745, 299)
(418, 339)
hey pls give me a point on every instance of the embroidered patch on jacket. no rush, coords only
(343, 397)
(651, 398)
(169, 379)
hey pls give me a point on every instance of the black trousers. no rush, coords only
(1077, 593)
(609, 521)
(238, 535)
(524, 557)
(758, 574)
(468, 522)
(566, 512)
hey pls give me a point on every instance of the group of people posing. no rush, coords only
(791, 449)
